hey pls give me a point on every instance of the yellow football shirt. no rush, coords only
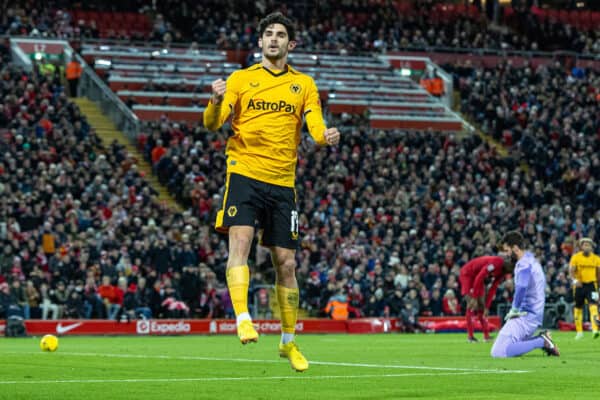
(268, 109)
(585, 267)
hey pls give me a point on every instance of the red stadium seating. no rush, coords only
(115, 24)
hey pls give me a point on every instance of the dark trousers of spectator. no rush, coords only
(73, 83)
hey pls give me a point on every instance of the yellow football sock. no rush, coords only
(593, 316)
(578, 316)
(238, 280)
(288, 307)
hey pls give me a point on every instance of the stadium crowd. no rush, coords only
(387, 226)
(397, 213)
(340, 26)
(547, 117)
(550, 117)
(367, 26)
(82, 233)
(387, 218)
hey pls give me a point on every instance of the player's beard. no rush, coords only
(272, 56)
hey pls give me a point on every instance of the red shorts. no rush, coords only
(466, 284)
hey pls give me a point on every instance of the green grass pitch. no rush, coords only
(393, 366)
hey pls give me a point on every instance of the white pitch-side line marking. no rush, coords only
(246, 378)
(249, 360)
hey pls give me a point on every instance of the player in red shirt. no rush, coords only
(473, 276)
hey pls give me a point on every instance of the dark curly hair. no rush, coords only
(277, 18)
(513, 238)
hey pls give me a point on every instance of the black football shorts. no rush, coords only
(271, 208)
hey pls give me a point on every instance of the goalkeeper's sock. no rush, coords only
(238, 280)
(518, 348)
(469, 318)
(288, 299)
(485, 327)
(594, 316)
(578, 316)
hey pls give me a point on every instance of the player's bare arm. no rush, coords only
(575, 282)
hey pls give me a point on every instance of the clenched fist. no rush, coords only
(332, 136)
(218, 91)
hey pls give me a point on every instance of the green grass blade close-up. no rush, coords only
(440, 366)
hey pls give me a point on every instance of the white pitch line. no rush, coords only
(246, 378)
(249, 360)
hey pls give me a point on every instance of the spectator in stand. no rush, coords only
(396, 302)
(75, 306)
(172, 304)
(48, 303)
(73, 73)
(5, 299)
(33, 299)
(337, 306)
(59, 296)
(19, 297)
(356, 302)
(143, 299)
(156, 300)
(410, 319)
(450, 304)
(191, 285)
(161, 256)
(375, 306)
(436, 303)
(158, 152)
(92, 298)
(425, 308)
(106, 291)
(130, 304)
(312, 291)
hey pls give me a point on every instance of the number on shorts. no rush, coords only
(294, 224)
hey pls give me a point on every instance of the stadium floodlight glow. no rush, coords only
(332, 95)
(38, 56)
(155, 53)
(104, 48)
(405, 72)
(314, 57)
(165, 51)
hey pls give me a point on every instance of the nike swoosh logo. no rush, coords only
(60, 329)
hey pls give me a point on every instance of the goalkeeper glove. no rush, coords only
(594, 296)
(514, 313)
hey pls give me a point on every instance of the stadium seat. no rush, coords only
(595, 17)
(563, 16)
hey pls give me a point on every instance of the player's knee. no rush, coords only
(288, 267)
(498, 350)
(240, 245)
